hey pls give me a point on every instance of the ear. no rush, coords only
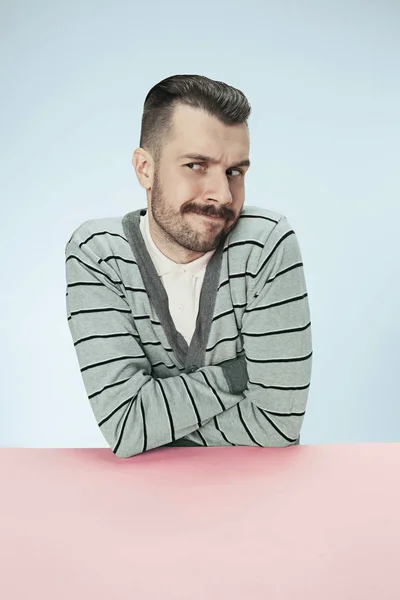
(144, 167)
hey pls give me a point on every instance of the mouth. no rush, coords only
(215, 218)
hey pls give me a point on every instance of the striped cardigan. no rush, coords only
(244, 380)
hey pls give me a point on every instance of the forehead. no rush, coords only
(194, 127)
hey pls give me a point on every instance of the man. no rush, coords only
(190, 318)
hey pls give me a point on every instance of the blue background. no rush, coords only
(323, 81)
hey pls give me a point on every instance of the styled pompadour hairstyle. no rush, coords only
(218, 99)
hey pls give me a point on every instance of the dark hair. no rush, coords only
(216, 98)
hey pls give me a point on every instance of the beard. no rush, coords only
(177, 228)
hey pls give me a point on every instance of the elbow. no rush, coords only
(123, 452)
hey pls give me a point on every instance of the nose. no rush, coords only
(219, 190)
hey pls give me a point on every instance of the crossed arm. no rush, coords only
(258, 398)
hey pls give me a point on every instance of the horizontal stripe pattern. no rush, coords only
(140, 395)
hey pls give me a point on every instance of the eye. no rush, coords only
(190, 164)
(238, 170)
(201, 164)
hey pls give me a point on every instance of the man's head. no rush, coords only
(192, 115)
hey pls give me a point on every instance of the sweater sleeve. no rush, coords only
(135, 410)
(276, 331)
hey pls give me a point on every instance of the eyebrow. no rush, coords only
(209, 159)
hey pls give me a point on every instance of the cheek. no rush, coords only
(186, 191)
(177, 194)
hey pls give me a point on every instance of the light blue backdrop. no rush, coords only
(323, 82)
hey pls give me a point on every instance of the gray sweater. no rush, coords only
(244, 380)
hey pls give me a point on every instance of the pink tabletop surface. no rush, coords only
(302, 522)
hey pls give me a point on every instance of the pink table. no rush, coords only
(298, 523)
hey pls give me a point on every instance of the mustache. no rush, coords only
(212, 213)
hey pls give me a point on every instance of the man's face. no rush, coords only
(185, 189)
